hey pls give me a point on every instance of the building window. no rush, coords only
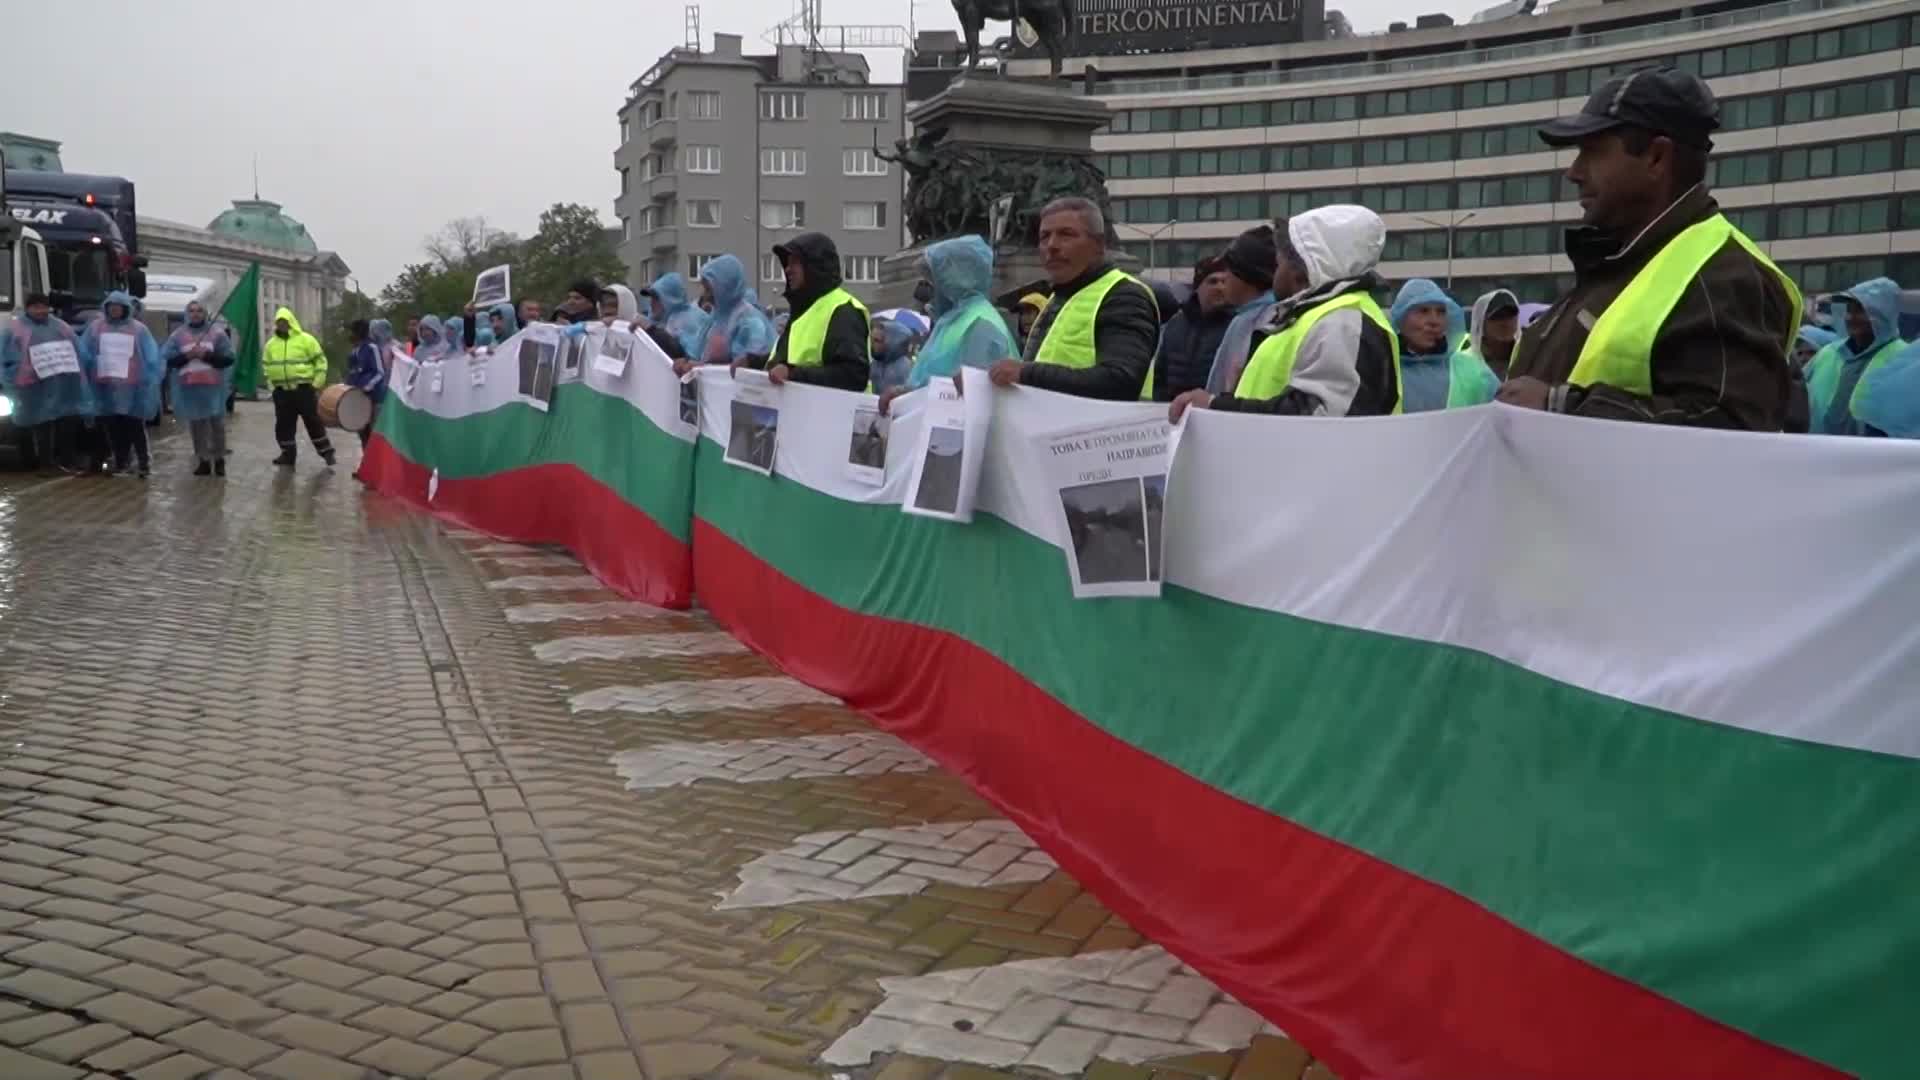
(861, 161)
(865, 215)
(783, 215)
(783, 105)
(703, 213)
(648, 219)
(646, 270)
(1830, 102)
(703, 159)
(703, 104)
(1840, 159)
(861, 268)
(771, 268)
(626, 229)
(783, 161)
(863, 105)
(651, 166)
(625, 130)
(626, 180)
(697, 263)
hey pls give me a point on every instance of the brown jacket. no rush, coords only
(1720, 358)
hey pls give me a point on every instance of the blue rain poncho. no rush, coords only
(1834, 373)
(736, 328)
(38, 398)
(455, 329)
(137, 393)
(483, 338)
(1818, 337)
(504, 322)
(1888, 397)
(1446, 376)
(892, 358)
(199, 361)
(380, 336)
(968, 331)
(433, 340)
(677, 312)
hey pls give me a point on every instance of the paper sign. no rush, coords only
(199, 373)
(615, 349)
(538, 355)
(116, 357)
(52, 358)
(477, 369)
(690, 402)
(439, 377)
(755, 423)
(1111, 482)
(867, 444)
(493, 286)
(953, 443)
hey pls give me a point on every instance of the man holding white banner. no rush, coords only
(1329, 350)
(1101, 327)
(827, 342)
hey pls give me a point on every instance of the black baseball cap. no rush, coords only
(1663, 100)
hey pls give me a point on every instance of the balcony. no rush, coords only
(664, 239)
(663, 133)
(663, 187)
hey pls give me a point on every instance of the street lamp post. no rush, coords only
(1450, 226)
(1153, 237)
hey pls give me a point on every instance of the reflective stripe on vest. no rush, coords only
(1619, 349)
(1271, 369)
(1069, 340)
(807, 335)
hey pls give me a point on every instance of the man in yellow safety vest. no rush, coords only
(825, 341)
(1675, 317)
(1099, 331)
(1328, 349)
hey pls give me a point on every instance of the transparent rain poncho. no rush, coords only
(968, 331)
(121, 357)
(37, 397)
(199, 388)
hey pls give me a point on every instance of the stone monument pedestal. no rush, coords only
(982, 139)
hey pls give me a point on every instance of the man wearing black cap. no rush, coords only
(1675, 317)
(1252, 263)
(583, 298)
(825, 341)
(1189, 340)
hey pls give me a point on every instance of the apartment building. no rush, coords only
(722, 152)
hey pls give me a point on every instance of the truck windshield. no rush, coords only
(87, 273)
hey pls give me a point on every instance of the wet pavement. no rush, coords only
(297, 783)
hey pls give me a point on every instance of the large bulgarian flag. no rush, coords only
(1478, 744)
(606, 469)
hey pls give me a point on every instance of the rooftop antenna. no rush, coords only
(693, 27)
(256, 177)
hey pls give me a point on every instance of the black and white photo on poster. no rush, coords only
(867, 444)
(616, 348)
(952, 445)
(493, 286)
(690, 401)
(539, 345)
(1111, 483)
(753, 423)
(572, 355)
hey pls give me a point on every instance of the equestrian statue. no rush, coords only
(1051, 21)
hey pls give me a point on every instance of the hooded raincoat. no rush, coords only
(845, 358)
(1888, 397)
(968, 330)
(200, 362)
(54, 389)
(894, 358)
(433, 340)
(629, 308)
(680, 316)
(735, 329)
(1477, 328)
(1345, 363)
(1445, 377)
(1834, 375)
(455, 329)
(506, 322)
(294, 360)
(108, 343)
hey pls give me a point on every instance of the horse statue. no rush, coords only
(1051, 21)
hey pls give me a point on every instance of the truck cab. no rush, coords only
(23, 271)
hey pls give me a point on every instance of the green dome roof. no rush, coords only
(261, 222)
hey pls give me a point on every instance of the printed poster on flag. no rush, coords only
(1111, 488)
(951, 447)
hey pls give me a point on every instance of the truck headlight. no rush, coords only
(6, 406)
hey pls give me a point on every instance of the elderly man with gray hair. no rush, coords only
(1101, 327)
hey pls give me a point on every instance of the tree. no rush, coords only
(470, 243)
(571, 244)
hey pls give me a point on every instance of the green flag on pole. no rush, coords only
(242, 314)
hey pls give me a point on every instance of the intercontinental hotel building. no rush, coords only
(1241, 112)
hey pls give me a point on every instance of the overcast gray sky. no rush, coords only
(375, 121)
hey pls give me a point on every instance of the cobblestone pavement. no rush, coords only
(296, 783)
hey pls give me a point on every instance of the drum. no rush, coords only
(346, 407)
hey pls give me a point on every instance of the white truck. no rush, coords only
(23, 271)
